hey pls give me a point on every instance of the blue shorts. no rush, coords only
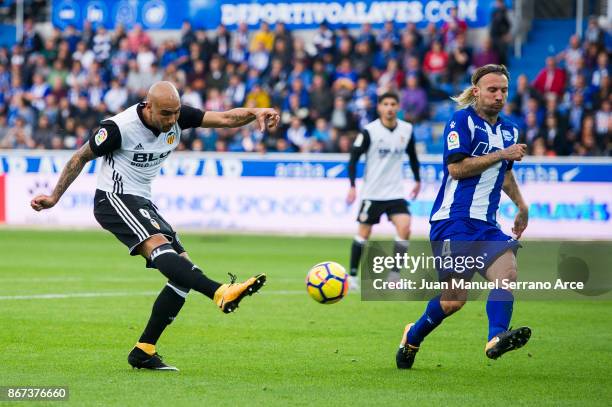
(462, 238)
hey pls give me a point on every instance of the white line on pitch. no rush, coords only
(113, 294)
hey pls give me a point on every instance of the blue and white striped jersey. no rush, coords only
(468, 135)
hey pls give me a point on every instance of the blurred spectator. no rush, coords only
(452, 28)
(577, 111)
(321, 132)
(524, 92)
(137, 39)
(594, 34)
(58, 72)
(500, 30)
(276, 81)
(459, 60)
(435, 63)
(282, 35)
(102, 44)
(581, 87)
(282, 50)
(298, 135)
(116, 98)
(259, 57)
(84, 55)
(603, 124)
(49, 51)
(31, 40)
(367, 36)
(414, 101)
(43, 134)
(301, 72)
(235, 93)
(264, 36)
(556, 140)
(392, 78)
(345, 77)
(38, 92)
(388, 33)
(4, 128)
(539, 148)
(216, 77)
(386, 53)
(321, 98)
(603, 92)
(588, 145)
(485, 55)
(323, 39)
(118, 35)
(532, 131)
(145, 58)
(188, 36)
(572, 54)
(341, 118)
(550, 79)
(19, 135)
(96, 91)
(258, 97)
(601, 69)
(72, 37)
(222, 43)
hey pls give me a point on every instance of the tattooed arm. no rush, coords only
(266, 118)
(71, 171)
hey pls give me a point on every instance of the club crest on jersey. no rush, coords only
(170, 137)
(507, 135)
(155, 224)
(101, 135)
(453, 140)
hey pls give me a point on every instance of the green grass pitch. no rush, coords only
(280, 348)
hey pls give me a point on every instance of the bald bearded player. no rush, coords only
(134, 144)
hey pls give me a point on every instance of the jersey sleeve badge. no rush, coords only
(452, 140)
(101, 136)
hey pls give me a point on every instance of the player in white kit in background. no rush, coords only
(385, 142)
(134, 144)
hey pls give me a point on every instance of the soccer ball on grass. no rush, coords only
(327, 282)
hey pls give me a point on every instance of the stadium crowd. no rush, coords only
(55, 90)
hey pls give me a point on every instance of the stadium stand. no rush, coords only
(55, 88)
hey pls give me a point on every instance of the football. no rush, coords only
(327, 282)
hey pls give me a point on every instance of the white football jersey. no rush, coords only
(383, 176)
(133, 152)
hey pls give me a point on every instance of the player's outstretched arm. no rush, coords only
(472, 166)
(510, 187)
(72, 169)
(267, 118)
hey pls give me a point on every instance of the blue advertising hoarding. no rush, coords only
(208, 14)
(313, 166)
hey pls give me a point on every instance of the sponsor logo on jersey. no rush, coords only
(453, 140)
(452, 124)
(170, 137)
(139, 147)
(101, 136)
(148, 159)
